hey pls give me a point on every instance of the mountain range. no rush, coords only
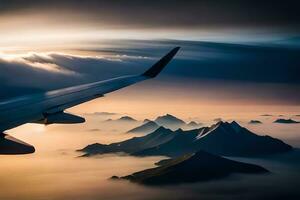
(223, 138)
(200, 166)
(123, 119)
(167, 121)
(159, 136)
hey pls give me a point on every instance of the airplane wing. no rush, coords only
(48, 108)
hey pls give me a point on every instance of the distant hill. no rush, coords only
(126, 119)
(149, 126)
(200, 166)
(170, 121)
(104, 113)
(217, 119)
(159, 136)
(191, 125)
(286, 121)
(145, 128)
(223, 138)
(255, 122)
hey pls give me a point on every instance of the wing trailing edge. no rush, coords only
(12, 146)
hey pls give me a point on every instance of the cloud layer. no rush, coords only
(265, 71)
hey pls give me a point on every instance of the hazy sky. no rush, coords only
(232, 51)
(170, 13)
(225, 20)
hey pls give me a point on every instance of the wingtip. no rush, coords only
(158, 66)
(176, 48)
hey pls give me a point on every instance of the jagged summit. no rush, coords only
(222, 138)
(235, 126)
(130, 146)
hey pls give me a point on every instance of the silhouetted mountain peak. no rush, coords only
(159, 136)
(151, 123)
(236, 126)
(226, 126)
(222, 138)
(180, 130)
(162, 129)
(126, 118)
(218, 124)
(92, 146)
(210, 130)
(168, 118)
(192, 123)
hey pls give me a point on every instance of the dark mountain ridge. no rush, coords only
(201, 166)
(223, 138)
(159, 136)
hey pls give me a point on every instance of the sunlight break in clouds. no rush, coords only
(50, 62)
(26, 61)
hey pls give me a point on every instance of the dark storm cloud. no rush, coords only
(239, 62)
(258, 71)
(265, 62)
(171, 13)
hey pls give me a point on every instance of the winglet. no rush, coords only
(157, 67)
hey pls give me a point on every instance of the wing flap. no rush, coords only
(12, 146)
(61, 118)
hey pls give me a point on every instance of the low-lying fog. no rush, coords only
(55, 171)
